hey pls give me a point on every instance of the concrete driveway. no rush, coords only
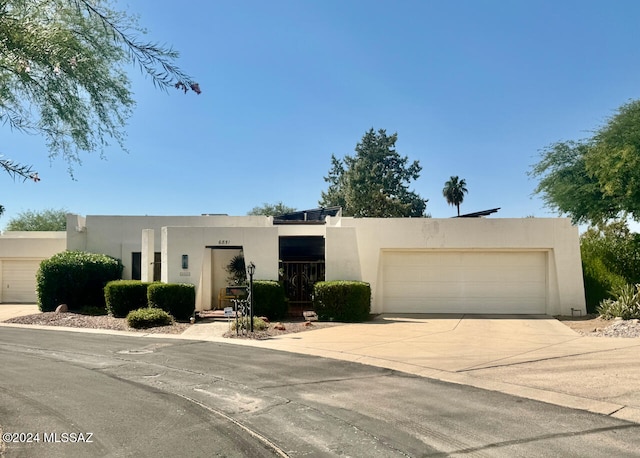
(14, 310)
(535, 357)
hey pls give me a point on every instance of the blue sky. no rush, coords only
(473, 88)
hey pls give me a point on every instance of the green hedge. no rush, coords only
(348, 301)
(75, 278)
(268, 299)
(123, 296)
(148, 318)
(177, 299)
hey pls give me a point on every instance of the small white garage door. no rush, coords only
(19, 281)
(464, 282)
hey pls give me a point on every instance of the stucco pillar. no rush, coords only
(147, 255)
(203, 287)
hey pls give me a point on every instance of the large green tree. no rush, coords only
(454, 191)
(45, 220)
(276, 209)
(596, 179)
(375, 181)
(62, 75)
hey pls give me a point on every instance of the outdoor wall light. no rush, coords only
(185, 261)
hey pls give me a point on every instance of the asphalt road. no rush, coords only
(104, 395)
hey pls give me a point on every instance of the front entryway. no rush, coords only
(226, 264)
(301, 266)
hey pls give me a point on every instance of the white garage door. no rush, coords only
(19, 281)
(464, 282)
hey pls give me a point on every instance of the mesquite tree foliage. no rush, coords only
(62, 75)
(596, 179)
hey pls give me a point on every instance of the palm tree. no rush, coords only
(454, 191)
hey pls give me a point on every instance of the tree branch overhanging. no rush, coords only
(61, 75)
(148, 55)
(18, 170)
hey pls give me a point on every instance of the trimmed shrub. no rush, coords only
(348, 301)
(75, 278)
(268, 299)
(599, 282)
(148, 318)
(123, 296)
(243, 323)
(177, 299)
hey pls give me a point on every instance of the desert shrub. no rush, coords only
(75, 278)
(123, 296)
(244, 323)
(177, 299)
(626, 303)
(348, 301)
(599, 282)
(268, 299)
(148, 318)
(237, 270)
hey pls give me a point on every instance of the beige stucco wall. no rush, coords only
(354, 249)
(259, 244)
(119, 236)
(31, 244)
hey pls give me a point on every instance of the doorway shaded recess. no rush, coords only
(302, 264)
(136, 265)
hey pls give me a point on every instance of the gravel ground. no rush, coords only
(594, 326)
(280, 328)
(76, 320)
(619, 328)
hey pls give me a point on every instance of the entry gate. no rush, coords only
(298, 278)
(241, 308)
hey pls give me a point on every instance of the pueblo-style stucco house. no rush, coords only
(414, 265)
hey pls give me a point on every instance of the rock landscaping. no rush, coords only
(77, 320)
(619, 328)
(280, 328)
(595, 326)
